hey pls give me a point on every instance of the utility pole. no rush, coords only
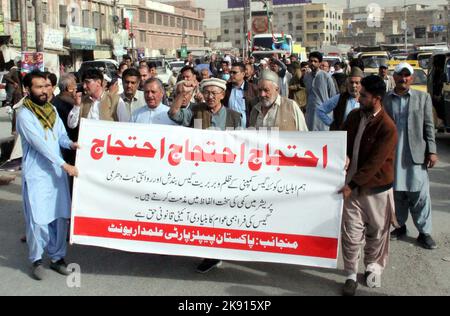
(183, 34)
(406, 26)
(245, 45)
(23, 25)
(115, 15)
(39, 26)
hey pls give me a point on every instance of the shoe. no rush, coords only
(23, 239)
(398, 233)
(208, 264)
(426, 241)
(38, 270)
(350, 287)
(60, 267)
(372, 280)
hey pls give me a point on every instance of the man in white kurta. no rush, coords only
(46, 196)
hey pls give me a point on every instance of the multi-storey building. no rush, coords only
(312, 25)
(425, 25)
(78, 30)
(166, 26)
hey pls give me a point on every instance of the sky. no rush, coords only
(213, 7)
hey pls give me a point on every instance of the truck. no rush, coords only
(266, 45)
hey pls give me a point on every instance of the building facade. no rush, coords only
(79, 30)
(163, 27)
(425, 25)
(311, 25)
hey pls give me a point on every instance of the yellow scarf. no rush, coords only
(46, 114)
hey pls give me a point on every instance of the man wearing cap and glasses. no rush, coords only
(211, 114)
(388, 79)
(411, 110)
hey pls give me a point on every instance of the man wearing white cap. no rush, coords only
(211, 114)
(273, 110)
(411, 110)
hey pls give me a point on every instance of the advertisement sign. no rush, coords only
(32, 61)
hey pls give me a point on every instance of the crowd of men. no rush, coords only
(391, 139)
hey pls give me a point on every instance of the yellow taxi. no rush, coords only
(420, 76)
(373, 60)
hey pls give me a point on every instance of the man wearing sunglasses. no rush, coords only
(240, 95)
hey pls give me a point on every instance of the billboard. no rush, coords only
(233, 4)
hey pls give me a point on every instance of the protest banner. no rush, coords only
(233, 195)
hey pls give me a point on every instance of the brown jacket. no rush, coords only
(108, 107)
(377, 151)
(297, 91)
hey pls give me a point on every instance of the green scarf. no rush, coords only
(46, 114)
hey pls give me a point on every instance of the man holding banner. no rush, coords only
(45, 184)
(369, 198)
(212, 114)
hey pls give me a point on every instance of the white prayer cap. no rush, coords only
(269, 75)
(222, 84)
(400, 67)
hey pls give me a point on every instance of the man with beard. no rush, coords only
(284, 77)
(416, 153)
(369, 207)
(342, 104)
(320, 87)
(273, 110)
(45, 185)
(212, 113)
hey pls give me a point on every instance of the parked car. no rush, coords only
(176, 65)
(108, 66)
(162, 67)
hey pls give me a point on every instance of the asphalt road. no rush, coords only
(411, 270)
